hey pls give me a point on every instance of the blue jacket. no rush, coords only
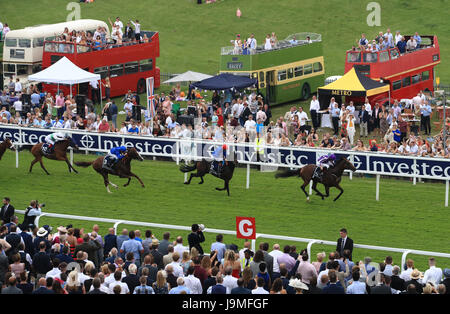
(333, 289)
(117, 151)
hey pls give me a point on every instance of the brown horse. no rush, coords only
(331, 177)
(5, 145)
(59, 153)
(121, 169)
(203, 168)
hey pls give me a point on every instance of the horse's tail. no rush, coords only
(188, 168)
(84, 164)
(287, 174)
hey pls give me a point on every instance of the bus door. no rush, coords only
(270, 86)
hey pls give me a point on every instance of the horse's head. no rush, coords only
(9, 144)
(348, 164)
(133, 153)
(71, 142)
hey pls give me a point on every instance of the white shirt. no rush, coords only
(177, 269)
(406, 274)
(235, 110)
(398, 38)
(180, 248)
(319, 283)
(102, 288)
(82, 277)
(434, 274)
(120, 24)
(128, 107)
(194, 284)
(275, 254)
(315, 105)
(259, 290)
(94, 84)
(110, 279)
(302, 117)
(368, 108)
(230, 282)
(137, 27)
(351, 110)
(412, 149)
(17, 105)
(123, 285)
(251, 42)
(249, 125)
(55, 272)
(18, 87)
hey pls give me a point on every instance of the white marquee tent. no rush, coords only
(64, 72)
(188, 76)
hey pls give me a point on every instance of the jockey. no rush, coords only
(115, 154)
(326, 162)
(217, 164)
(53, 138)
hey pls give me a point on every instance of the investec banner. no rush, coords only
(372, 163)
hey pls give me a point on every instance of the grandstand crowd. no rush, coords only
(244, 118)
(71, 260)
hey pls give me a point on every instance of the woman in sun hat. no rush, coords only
(298, 285)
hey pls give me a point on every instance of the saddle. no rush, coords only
(108, 163)
(47, 150)
(216, 168)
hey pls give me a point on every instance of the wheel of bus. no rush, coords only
(306, 91)
(140, 86)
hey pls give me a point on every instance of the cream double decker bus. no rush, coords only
(23, 48)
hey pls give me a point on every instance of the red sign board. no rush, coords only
(245, 228)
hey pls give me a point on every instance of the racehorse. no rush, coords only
(331, 177)
(121, 169)
(59, 153)
(203, 168)
(4, 145)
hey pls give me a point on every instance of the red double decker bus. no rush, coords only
(407, 73)
(127, 65)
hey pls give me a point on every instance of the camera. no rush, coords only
(201, 227)
(43, 205)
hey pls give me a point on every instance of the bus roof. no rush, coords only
(52, 29)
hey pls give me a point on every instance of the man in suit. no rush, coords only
(43, 288)
(384, 287)
(240, 288)
(344, 243)
(110, 242)
(195, 238)
(333, 287)
(7, 211)
(397, 283)
(91, 246)
(268, 259)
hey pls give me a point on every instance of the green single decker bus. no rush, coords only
(289, 71)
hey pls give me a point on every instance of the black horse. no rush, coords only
(203, 167)
(331, 177)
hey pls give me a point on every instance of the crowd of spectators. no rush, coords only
(240, 119)
(387, 41)
(71, 260)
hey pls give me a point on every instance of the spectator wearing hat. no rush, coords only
(415, 276)
(298, 285)
(157, 255)
(42, 236)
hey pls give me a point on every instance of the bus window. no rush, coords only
(50, 47)
(82, 48)
(103, 71)
(9, 68)
(11, 42)
(370, 57)
(384, 56)
(298, 71)
(38, 42)
(353, 57)
(397, 85)
(317, 67)
(255, 75)
(394, 54)
(24, 43)
(261, 76)
(50, 38)
(22, 69)
(146, 65)
(308, 69)
(116, 70)
(290, 73)
(131, 67)
(17, 53)
(425, 75)
(416, 79)
(406, 81)
(37, 68)
(281, 75)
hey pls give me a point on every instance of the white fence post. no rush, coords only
(17, 157)
(446, 193)
(71, 156)
(414, 173)
(248, 177)
(404, 259)
(308, 248)
(116, 225)
(310, 187)
(377, 193)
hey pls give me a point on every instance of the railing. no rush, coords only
(310, 242)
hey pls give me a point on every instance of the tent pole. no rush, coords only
(100, 86)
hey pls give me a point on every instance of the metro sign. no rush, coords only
(245, 228)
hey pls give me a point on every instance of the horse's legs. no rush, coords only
(32, 164)
(340, 189)
(190, 178)
(126, 184)
(303, 186)
(70, 166)
(105, 180)
(314, 187)
(327, 190)
(201, 178)
(42, 166)
(142, 183)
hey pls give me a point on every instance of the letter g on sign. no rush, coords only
(245, 228)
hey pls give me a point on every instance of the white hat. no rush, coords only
(297, 283)
(41, 232)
